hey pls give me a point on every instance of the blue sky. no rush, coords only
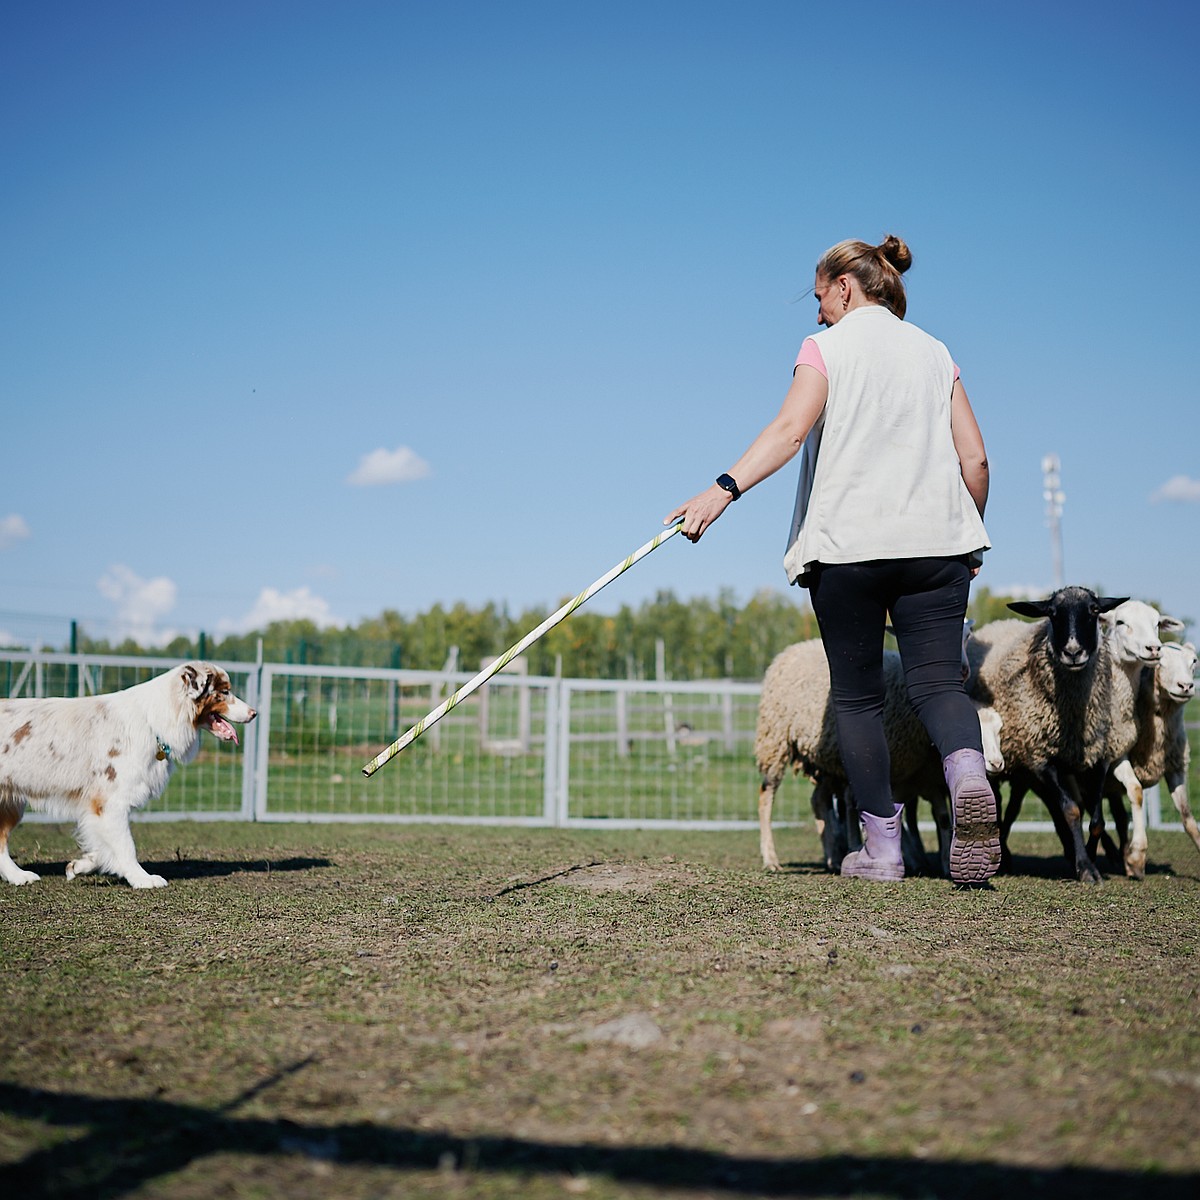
(317, 309)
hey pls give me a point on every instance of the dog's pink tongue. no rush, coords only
(222, 729)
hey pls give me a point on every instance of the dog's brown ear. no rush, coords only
(195, 681)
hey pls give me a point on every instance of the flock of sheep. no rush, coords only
(1084, 703)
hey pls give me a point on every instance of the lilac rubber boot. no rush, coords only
(975, 832)
(880, 857)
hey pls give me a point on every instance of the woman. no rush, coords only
(888, 521)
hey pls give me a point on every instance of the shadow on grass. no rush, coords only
(196, 868)
(130, 1143)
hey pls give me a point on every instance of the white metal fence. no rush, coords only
(523, 750)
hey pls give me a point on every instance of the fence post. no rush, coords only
(562, 751)
(1152, 799)
(263, 746)
(668, 700)
(550, 754)
(250, 749)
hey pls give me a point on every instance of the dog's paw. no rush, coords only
(148, 881)
(19, 877)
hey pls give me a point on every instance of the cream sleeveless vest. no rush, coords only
(879, 475)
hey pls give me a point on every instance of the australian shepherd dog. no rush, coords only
(93, 759)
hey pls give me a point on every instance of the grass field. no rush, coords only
(381, 1011)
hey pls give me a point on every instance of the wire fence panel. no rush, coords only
(646, 754)
(483, 761)
(520, 750)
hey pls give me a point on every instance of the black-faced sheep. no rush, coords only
(1054, 687)
(1132, 631)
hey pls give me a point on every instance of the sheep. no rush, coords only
(1132, 630)
(1160, 752)
(1053, 683)
(796, 728)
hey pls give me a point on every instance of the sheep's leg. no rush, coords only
(1019, 786)
(912, 849)
(1177, 782)
(836, 831)
(851, 819)
(766, 839)
(1098, 835)
(1072, 812)
(1120, 816)
(1017, 792)
(939, 801)
(828, 826)
(1133, 847)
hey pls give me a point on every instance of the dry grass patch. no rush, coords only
(376, 1011)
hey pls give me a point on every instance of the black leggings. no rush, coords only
(927, 600)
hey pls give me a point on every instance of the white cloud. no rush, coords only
(274, 605)
(1178, 487)
(12, 530)
(10, 641)
(401, 465)
(141, 604)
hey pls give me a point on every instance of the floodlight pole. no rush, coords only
(1054, 496)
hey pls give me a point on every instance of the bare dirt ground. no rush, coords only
(379, 1011)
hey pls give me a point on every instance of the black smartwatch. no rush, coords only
(730, 485)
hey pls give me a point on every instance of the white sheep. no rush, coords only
(796, 728)
(1065, 712)
(1161, 751)
(1133, 629)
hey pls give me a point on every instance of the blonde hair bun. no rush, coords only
(895, 251)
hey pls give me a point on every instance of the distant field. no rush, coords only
(367, 1011)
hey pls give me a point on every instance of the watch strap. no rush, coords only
(728, 482)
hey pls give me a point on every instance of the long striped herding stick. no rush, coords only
(467, 688)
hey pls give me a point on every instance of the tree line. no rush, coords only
(701, 638)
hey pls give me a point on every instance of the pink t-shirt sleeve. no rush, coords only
(810, 356)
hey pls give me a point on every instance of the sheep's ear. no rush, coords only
(1031, 608)
(1108, 602)
(1170, 624)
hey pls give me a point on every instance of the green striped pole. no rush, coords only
(512, 652)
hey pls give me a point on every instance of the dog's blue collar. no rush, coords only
(163, 751)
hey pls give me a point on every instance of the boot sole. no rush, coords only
(877, 872)
(975, 840)
(876, 876)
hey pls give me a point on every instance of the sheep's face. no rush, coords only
(1134, 629)
(1177, 671)
(1073, 614)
